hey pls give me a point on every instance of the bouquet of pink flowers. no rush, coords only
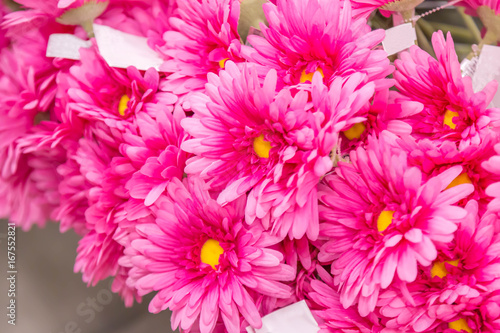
(254, 168)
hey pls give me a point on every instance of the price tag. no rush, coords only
(295, 318)
(399, 38)
(122, 50)
(66, 46)
(488, 69)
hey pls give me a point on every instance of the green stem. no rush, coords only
(469, 22)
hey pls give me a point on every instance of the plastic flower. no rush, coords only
(434, 157)
(106, 173)
(203, 37)
(474, 5)
(155, 150)
(28, 149)
(332, 44)
(452, 110)
(383, 220)
(204, 262)
(456, 292)
(246, 137)
(326, 305)
(99, 93)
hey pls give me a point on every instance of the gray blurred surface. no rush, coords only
(52, 299)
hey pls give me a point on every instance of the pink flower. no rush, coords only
(246, 137)
(383, 219)
(155, 152)
(204, 35)
(99, 93)
(333, 43)
(336, 318)
(204, 262)
(29, 151)
(452, 111)
(458, 289)
(434, 157)
(473, 5)
(106, 173)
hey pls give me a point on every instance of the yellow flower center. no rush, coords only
(304, 77)
(462, 178)
(261, 146)
(384, 220)
(222, 63)
(355, 131)
(448, 118)
(439, 268)
(459, 325)
(211, 252)
(123, 105)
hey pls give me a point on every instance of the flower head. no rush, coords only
(204, 261)
(332, 44)
(203, 37)
(383, 220)
(247, 137)
(452, 111)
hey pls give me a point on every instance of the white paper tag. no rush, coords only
(488, 69)
(468, 66)
(295, 318)
(399, 38)
(65, 46)
(122, 50)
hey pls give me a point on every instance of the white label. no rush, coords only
(122, 50)
(295, 318)
(66, 46)
(399, 38)
(487, 70)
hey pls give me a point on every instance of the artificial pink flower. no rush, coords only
(204, 36)
(204, 261)
(326, 305)
(473, 5)
(99, 93)
(106, 173)
(247, 137)
(457, 290)
(383, 219)
(452, 111)
(434, 157)
(155, 150)
(29, 151)
(333, 43)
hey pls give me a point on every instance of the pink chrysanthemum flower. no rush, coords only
(434, 157)
(106, 173)
(382, 219)
(204, 36)
(333, 43)
(383, 113)
(29, 152)
(457, 291)
(473, 5)
(99, 93)
(452, 110)
(204, 261)
(326, 305)
(155, 150)
(132, 16)
(247, 137)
